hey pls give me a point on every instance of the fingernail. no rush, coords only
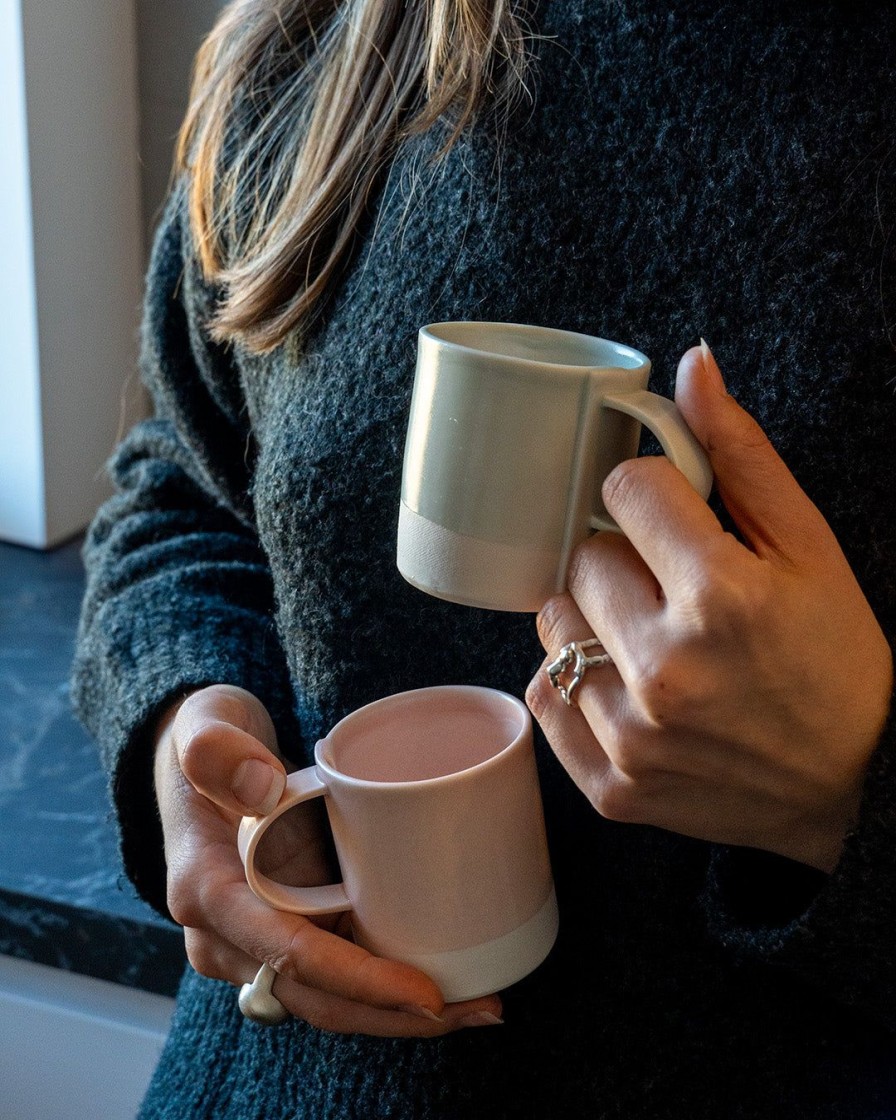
(257, 786)
(481, 1019)
(422, 1012)
(711, 365)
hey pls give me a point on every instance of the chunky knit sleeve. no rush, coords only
(178, 589)
(836, 932)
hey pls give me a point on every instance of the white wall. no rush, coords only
(80, 66)
(21, 459)
(82, 247)
(86, 135)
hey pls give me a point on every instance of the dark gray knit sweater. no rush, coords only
(689, 167)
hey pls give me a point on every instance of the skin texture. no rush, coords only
(751, 681)
(204, 786)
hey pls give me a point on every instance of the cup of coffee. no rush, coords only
(436, 813)
(512, 431)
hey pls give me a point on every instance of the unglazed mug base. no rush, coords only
(475, 572)
(480, 970)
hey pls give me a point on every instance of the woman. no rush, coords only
(721, 806)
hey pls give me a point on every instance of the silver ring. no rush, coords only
(258, 1002)
(572, 659)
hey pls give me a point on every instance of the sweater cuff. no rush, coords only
(167, 654)
(837, 931)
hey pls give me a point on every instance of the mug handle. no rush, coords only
(301, 786)
(661, 416)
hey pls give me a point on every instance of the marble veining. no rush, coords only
(64, 899)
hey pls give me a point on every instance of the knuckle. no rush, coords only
(721, 604)
(202, 955)
(620, 487)
(658, 690)
(616, 798)
(539, 694)
(183, 902)
(757, 593)
(194, 749)
(637, 750)
(749, 435)
(624, 487)
(189, 715)
(628, 756)
(699, 608)
(189, 888)
(668, 695)
(551, 622)
(233, 705)
(294, 961)
(723, 600)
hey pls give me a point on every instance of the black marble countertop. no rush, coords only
(64, 900)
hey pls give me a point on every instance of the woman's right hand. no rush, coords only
(216, 761)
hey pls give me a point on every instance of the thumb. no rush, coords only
(768, 505)
(220, 755)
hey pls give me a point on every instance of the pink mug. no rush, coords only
(436, 813)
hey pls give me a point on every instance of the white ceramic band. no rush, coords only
(475, 572)
(480, 969)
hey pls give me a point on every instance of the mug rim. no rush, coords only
(429, 332)
(466, 774)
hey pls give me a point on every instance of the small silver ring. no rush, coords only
(573, 660)
(258, 1002)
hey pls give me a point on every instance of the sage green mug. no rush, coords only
(512, 431)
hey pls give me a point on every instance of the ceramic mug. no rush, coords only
(436, 813)
(512, 431)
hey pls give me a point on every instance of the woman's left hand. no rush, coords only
(751, 682)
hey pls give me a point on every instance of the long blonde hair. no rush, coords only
(296, 108)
